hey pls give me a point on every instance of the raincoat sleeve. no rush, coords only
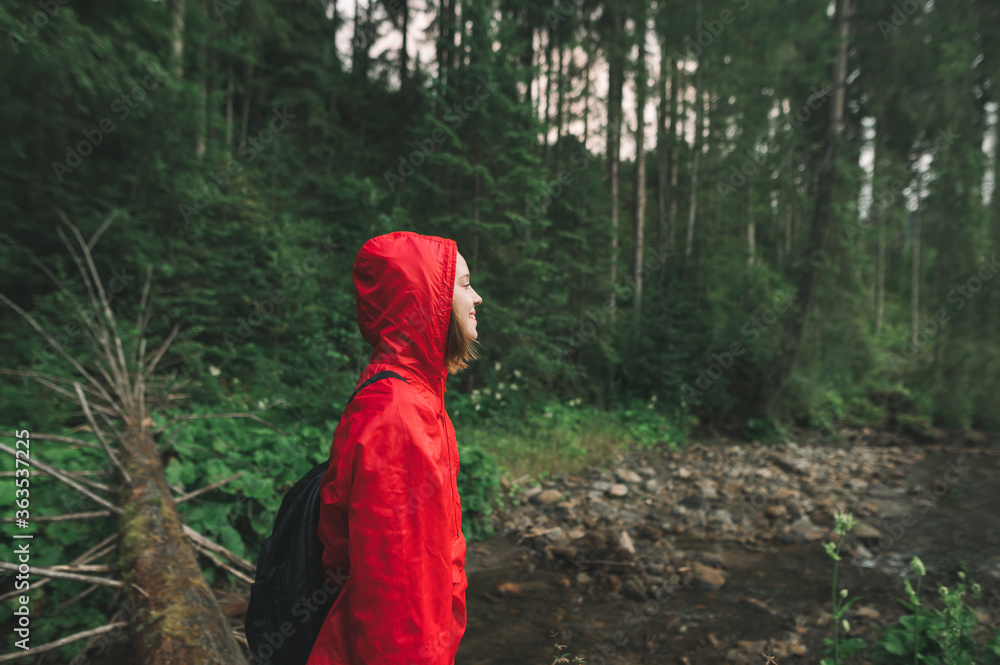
(402, 530)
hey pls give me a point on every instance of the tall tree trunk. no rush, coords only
(247, 96)
(616, 76)
(663, 144)
(586, 96)
(177, 8)
(677, 99)
(201, 129)
(560, 87)
(548, 96)
(751, 232)
(229, 107)
(639, 210)
(404, 56)
(180, 622)
(915, 266)
(880, 223)
(696, 156)
(774, 382)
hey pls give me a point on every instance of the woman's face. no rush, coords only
(466, 298)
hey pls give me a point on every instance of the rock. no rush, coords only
(652, 486)
(693, 501)
(601, 485)
(618, 490)
(708, 489)
(634, 588)
(577, 532)
(757, 604)
(865, 531)
(625, 542)
(584, 579)
(628, 476)
(531, 492)
(549, 496)
(775, 511)
(647, 471)
(707, 577)
(683, 472)
(804, 529)
(557, 537)
(866, 612)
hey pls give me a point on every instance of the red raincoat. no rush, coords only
(390, 514)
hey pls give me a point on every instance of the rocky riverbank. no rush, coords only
(661, 529)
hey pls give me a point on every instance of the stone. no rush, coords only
(706, 576)
(628, 476)
(652, 486)
(866, 531)
(549, 496)
(618, 490)
(683, 472)
(601, 485)
(804, 529)
(708, 489)
(532, 492)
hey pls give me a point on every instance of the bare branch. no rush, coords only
(58, 437)
(207, 488)
(239, 414)
(103, 548)
(49, 381)
(211, 546)
(76, 637)
(100, 436)
(62, 352)
(158, 354)
(59, 475)
(59, 574)
(122, 369)
(238, 574)
(63, 518)
(103, 227)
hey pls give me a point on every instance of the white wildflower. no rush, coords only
(214, 371)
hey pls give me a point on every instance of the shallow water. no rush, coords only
(770, 590)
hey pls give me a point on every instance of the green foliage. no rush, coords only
(838, 649)
(479, 487)
(947, 635)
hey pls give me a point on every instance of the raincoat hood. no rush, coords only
(405, 285)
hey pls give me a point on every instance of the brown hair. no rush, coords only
(461, 349)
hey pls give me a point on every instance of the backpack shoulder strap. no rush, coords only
(384, 374)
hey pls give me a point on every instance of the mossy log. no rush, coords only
(176, 618)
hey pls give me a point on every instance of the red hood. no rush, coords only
(405, 284)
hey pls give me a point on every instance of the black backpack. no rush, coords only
(292, 593)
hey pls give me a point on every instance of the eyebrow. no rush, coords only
(464, 275)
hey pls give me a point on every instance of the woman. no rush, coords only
(390, 512)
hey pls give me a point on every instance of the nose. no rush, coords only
(477, 300)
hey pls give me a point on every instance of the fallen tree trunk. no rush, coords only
(178, 619)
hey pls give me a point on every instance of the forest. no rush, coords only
(742, 220)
